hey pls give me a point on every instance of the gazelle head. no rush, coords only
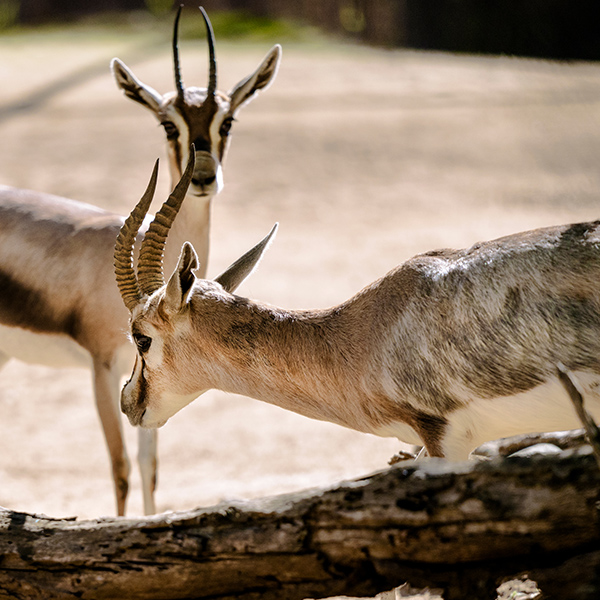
(199, 116)
(168, 319)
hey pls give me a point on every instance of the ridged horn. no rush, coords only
(123, 257)
(150, 267)
(212, 61)
(176, 65)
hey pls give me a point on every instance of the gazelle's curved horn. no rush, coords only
(176, 65)
(150, 268)
(212, 72)
(123, 257)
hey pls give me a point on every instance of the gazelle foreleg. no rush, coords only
(106, 390)
(147, 460)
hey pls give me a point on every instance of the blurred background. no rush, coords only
(545, 28)
(393, 127)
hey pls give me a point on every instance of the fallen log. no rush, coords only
(459, 527)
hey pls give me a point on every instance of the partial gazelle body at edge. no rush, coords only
(448, 350)
(59, 305)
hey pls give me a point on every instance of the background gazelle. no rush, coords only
(201, 117)
(59, 305)
(450, 349)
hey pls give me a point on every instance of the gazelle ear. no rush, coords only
(260, 79)
(134, 88)
(231, 278)
(182, 280)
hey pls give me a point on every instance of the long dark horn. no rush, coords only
(123, 257)
(150, 268)
(212, 73)
(176, 66)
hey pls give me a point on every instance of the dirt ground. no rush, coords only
(364, 156)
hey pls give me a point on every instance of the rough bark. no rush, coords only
(460, 527)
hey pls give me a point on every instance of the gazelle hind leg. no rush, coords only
(148, 462)
(106, 389)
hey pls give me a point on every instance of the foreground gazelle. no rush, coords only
(450, 349)
(59, 305)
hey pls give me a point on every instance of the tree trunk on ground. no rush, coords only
(458, 527)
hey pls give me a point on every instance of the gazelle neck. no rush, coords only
(304, 361)
(192, 225)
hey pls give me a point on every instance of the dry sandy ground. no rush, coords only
(364, 156)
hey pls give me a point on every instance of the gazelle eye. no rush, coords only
(171, 130)
(143, 343)
(226, 126)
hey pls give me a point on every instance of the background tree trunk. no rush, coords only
(459, 527)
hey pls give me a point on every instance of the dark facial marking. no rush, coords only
(202, 144)
(199, 119)
(142, 385)
(222, 145)
(140, 391)
(178, 158)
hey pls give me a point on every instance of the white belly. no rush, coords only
(544, 408)
(42, 349)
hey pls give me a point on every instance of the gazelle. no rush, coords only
(59, 305)
(201, 117)
(448, 350)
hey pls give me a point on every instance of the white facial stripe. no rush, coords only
(178, 148)
(153, 357)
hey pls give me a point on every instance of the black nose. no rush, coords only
(204, 181)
